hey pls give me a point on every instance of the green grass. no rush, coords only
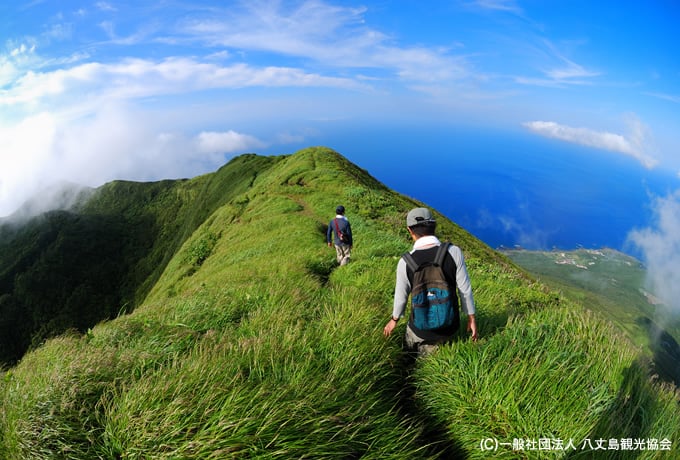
(266, 349)
(71, 269)
(613, 284)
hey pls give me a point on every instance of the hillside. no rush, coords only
(99, 257)
(239, 337)
(614, 284)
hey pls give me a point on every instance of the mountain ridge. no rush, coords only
(136, 227)
(251, 342)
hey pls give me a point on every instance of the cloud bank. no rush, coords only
(660, 245)
(633, 144)
(115, 142)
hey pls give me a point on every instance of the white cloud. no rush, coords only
(8, 72)
(115, 142)
(226, 142)
(21, 49)
(105, 6)
(59, 31)
(633, 144)
(24, 159)
(660, 245)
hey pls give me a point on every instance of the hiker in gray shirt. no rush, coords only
(421, 226)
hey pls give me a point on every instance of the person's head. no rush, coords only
(420, 223)
(340, 210)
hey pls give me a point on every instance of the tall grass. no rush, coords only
(267, 349)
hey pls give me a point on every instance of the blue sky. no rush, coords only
(101, 90)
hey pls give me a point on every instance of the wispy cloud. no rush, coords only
(666, 97)
(570, 72)
(309, 28)
(633, 144)
(552, 82)
(558, 71)
(499, 5)
(331, 35)
(518, 223)
(528, 235)
(139, 78)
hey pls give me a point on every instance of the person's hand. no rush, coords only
(472, 327)
(389, 327)
(330, 244)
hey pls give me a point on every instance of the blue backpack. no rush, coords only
(431, 296)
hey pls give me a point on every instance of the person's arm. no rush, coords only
(329, 234)
(465, 290)
(401, 290)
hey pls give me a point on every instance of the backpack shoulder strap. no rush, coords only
(441, 253)
(410, 261)
(438, 259)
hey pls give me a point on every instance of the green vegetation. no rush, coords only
(617, 278)
(71, 269)
(613, 284)
(248, 342)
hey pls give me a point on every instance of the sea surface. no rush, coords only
(513, 188)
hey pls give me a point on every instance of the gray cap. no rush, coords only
(419, 216)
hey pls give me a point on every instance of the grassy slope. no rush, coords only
(253, 344)
(72, 269)
(614, 284)
(610, 282)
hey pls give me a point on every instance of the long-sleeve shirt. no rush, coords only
(403, 286)
(345, 228)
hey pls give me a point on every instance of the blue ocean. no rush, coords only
(513, 188)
